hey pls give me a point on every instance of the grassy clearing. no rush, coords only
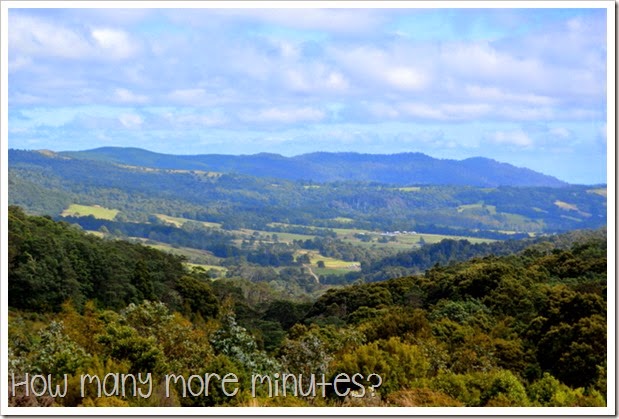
(86, 210)
(403, 241)
(345, 220)
(179, 221)
(436, 238)
(598, 191)
(565, 205)
(490, 209)
(341, 266)
(571, 207)
(194, 256)
(95, 233)
(219, 270)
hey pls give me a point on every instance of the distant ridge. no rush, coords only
(397, 169)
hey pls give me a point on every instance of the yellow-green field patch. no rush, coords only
(96, 211)
(95, 233)
(402, 241)
(330, 263)
(490, 209)
(220, 270)
(598, 191)
(195, 256)
(342, 220)
(565, 205)
(179, 221)
(571, 207)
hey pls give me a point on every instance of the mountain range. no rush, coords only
(398, 169)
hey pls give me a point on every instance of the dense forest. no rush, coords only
(397, 169)
(515, 323)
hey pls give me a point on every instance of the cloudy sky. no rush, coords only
(524, 86)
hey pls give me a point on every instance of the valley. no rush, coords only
(468, 293)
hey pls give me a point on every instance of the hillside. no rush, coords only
(49, 183)
(397, 169)
(523, 329)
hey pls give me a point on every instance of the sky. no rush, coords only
(522, 86)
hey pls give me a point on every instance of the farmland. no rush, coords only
(86, 210)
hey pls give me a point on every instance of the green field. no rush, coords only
(490, 209)
(219, 270)
(337, 265)
(402, 241)
(178, 221)
(344, 220)
(599, 191)
(96, 233)
(398, 242)
(96, 211)
(194, 256)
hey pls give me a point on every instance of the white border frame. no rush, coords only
(6, 5)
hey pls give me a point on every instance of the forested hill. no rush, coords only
(526, 329)
(48, 183)
(396, 169)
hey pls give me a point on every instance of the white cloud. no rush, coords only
(495, 94)
(315, 79)
(405, 78)
(602, 132)
(526, 113)
(447, 111)
(382, 110)
(130, 120)
(423, 111)
(560, 132)
(480, 61)
(114, 42)
(193, 120)
(394, 68)
(307, 19)
(189, 96)
(284, 115)
(337, 81)
(518, 138)
(19, 63)
(34, 36)
(296, 80)
(127, 96)
(25, 99)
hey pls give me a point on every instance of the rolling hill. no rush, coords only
(48, 183)
(397, 169)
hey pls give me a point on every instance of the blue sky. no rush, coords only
(524, 86)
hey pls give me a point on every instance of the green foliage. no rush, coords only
(52, 262)
(493, 388)
(401, 365)
(527, 328)
(55, 353)
(234, 342)
(198, 298)
(241, 201)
